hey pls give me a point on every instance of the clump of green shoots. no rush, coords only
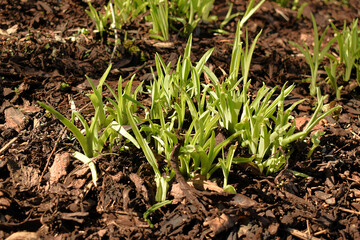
(349, 50)
(314, 60)
(184, 108)
(161, 182)
(92, 144)
(266, 129)
(163, 15)
(348, 42)
(100, 19)
(160, 17)
(117, 13)
(315, 139)
(103, 125)
(333, 76)
(190, 12)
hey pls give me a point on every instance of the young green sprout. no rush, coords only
(314, 60)
(160, 18)
(349, 47)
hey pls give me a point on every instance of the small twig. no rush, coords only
(300, 234)
(4, 148)
(320, 232)
(281, 13)
(134, 72)
(50, 156)
(336, 151)
(355, 135)
(349, 211)
(308, 231)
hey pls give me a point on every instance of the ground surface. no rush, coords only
(41, 48)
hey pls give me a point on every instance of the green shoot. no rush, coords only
(349, 47)
(153, 208)
(86, 142)
(97, 98)
(118, 109)
(227, 19)
(333, 77)
(225, 164)
(315, 139)
(99, 18)
(314, 60)
(161, 183)
(191, 12)
(91, 144)
(160, 15)
(123, 12)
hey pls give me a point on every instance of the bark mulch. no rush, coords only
(46, 194)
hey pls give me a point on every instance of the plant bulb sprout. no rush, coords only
(314, 60)
(333, 77)
(226, 164)
(118, 109)
(122, 12)
(190, 12)
(160, 19)
(265, 128)
(349, 47)
(98, 18)
(162, 185)
(200, 150)
(92, 143)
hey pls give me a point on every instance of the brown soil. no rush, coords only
(42, 48)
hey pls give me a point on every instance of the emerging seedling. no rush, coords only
(333, 77)
(349, 47)
(162, 185)
(315, 139)
(102, 125)
(314, 60)
(160, 18)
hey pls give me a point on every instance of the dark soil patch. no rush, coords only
(45, 56)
